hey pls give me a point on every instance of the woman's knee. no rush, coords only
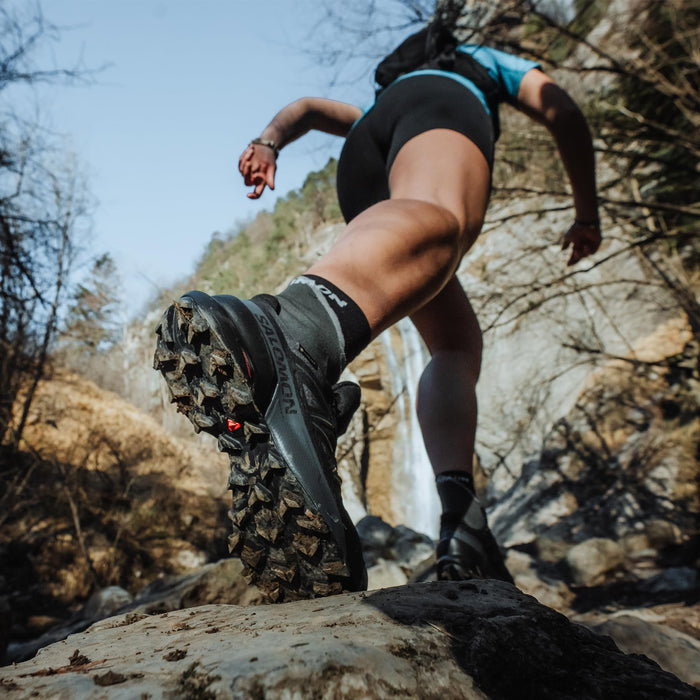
(468, 359)
(451, 375)
(460, 348)
(439, 225)
(457, 226)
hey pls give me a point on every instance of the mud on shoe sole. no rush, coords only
(283, 541)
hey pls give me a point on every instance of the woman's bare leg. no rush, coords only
(447, 405)
(398, 254)
(447, 414)
(399, 258)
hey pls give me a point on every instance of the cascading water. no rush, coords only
(415, 499)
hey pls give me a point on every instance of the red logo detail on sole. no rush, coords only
(247, 365)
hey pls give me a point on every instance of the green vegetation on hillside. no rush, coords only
(263, 253)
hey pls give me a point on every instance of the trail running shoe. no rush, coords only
(231, 371)
(468, 550)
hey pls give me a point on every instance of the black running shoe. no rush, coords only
(467, 549)
(231, 371)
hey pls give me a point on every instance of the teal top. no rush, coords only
(504, 68)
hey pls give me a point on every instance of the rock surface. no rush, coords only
(393, 556)
(219, 582)
(671, 649)
(589, 561)
(473, 640)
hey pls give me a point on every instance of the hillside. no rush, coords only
(101, 496)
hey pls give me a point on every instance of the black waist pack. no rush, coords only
(435, 47)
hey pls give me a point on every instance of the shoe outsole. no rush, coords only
(278, 533)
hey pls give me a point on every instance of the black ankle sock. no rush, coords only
(456, 491)
(326, 322)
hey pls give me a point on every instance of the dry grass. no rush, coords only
(100, 495)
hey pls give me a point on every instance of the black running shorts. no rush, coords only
(405, 109)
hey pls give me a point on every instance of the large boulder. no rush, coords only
(473, 640)
(590, 560)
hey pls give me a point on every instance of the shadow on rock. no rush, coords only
(514, 647)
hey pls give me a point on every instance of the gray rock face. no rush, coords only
(400, 544)
(593, 509)
(522, 348)
(468, 640)
(106, 602)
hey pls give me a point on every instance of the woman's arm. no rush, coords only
(544, 101)
(257, 163)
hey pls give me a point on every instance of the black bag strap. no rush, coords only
(435, 47)
(431, 47)
(407, 56)
(467, 66)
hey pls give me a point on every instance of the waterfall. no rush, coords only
(414, 497)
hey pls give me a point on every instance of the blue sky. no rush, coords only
(184, 88)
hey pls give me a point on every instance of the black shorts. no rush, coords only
(405, 109)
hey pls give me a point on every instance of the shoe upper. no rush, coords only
(468, 549)
(327, 409)
(304, 413)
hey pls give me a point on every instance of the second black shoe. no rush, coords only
(231, 370)
(467, 549)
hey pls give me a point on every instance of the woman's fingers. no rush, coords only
(584, 240)
(258, 170)
(264, 177)
(245, 158)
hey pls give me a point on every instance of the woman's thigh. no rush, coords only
(445, 168)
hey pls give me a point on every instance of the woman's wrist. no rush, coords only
(590, 222)
(586, 210)
(586, 214)
(268, 143)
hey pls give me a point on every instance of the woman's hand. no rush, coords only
(584, 240)
(257, 166)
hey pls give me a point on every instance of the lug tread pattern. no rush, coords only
(283, 541)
